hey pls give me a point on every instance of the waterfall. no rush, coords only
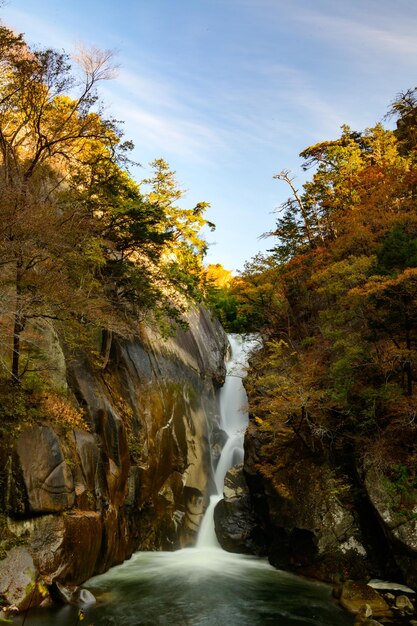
(233, 420)
(207, 585)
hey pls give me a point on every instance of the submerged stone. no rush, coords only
(74, 595)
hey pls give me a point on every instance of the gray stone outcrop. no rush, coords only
(235, 520)
(398, 522)
(79, 501)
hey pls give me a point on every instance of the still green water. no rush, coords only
(199, 587)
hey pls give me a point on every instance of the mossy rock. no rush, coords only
(355, 595)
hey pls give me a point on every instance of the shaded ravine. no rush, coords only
(205, 586)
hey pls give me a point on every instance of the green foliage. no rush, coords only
(28, 404)
(290, 233)
(185, 247)
(336, 300)
(401, 487)
(16, 406)
(397, 252)
(259, 293)
(404, 108)
(225, 307)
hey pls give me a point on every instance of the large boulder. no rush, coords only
(139, 475)
(355, 596)
(64, 548)
(236, 524)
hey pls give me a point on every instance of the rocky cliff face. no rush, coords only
(297, 512)
(307, 509)
(329, 518)
(393, 498)
(79, 501)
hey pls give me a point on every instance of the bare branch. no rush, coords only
(285, 176)
(97, 64)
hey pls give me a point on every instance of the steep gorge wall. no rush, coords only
(309, 509)
(332, 517)
(79, 501)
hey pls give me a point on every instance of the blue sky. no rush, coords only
(230, 91)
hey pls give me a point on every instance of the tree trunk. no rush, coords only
(17, 327)
(408, 367)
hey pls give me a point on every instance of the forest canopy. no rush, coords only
(81, 245)
(336, 297)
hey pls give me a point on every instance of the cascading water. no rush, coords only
(206, 586)
(233, 421)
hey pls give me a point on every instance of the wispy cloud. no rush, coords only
(285, 106)
(298, 93)
(163, 132)
(41, 32)
(150, 90)
(396, 38)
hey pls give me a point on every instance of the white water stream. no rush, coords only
(233, 420)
